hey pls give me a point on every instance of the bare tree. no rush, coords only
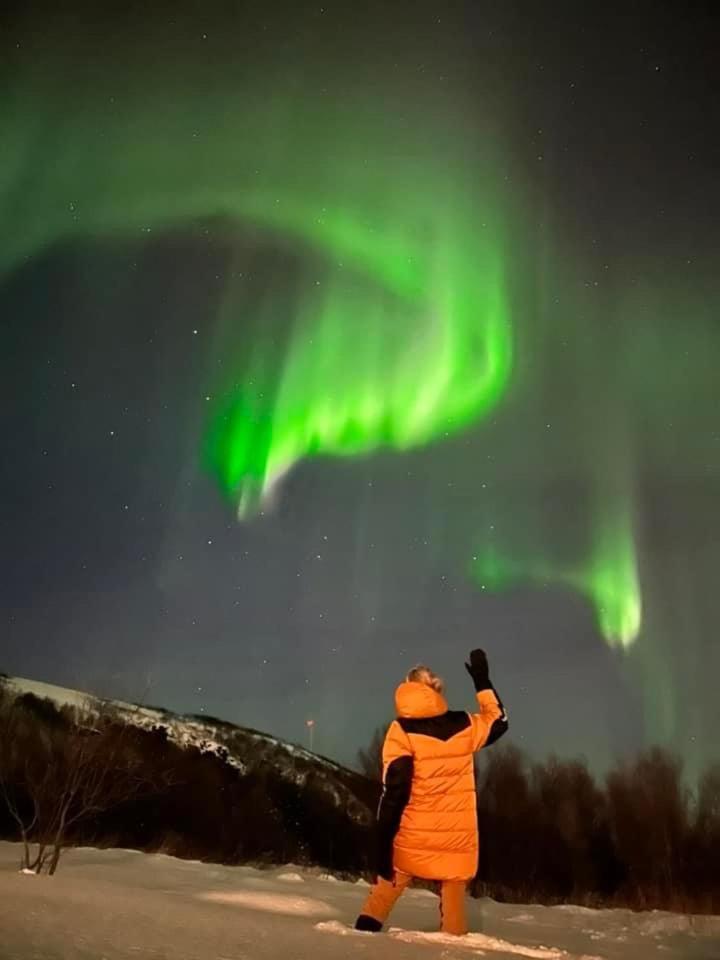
(648, 805)
(369, 759)
(59, 769)
(20, 805)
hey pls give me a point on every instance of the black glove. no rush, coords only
(479, 670)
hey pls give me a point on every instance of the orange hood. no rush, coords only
(416, 700)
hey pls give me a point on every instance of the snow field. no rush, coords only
(118, 904)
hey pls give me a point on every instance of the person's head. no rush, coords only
(423, 674)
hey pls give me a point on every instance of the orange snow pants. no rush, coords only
(385, 893)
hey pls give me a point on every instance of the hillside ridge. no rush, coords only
(242, 748)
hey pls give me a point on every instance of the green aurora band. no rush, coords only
(407, 336)
(400, 333)
(401, 265)
(608, 579)
(421, 355)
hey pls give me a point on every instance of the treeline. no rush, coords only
(641, 838)
(70, 777)
(550, 832)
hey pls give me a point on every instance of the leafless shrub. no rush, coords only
(369, 759)
(59, 774)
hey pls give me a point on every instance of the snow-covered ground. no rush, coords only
(112, 904)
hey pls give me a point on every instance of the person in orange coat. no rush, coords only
(427, 818)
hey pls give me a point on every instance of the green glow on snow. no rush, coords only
(609, 580)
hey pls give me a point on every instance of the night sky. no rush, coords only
(338, 338)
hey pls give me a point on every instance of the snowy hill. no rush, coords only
(239, 747)
(260, 786)
(118, 904)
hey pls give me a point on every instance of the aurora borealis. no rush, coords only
(345, 339)
(370, 368)
(609, 579)
(405, 337)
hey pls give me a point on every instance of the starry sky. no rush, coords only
(338, 338)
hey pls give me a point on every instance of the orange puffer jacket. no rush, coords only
(427, 820)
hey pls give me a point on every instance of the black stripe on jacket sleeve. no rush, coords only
(395, 795)
(500, 726)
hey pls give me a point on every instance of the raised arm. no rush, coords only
(491, 722)
(397, 781)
